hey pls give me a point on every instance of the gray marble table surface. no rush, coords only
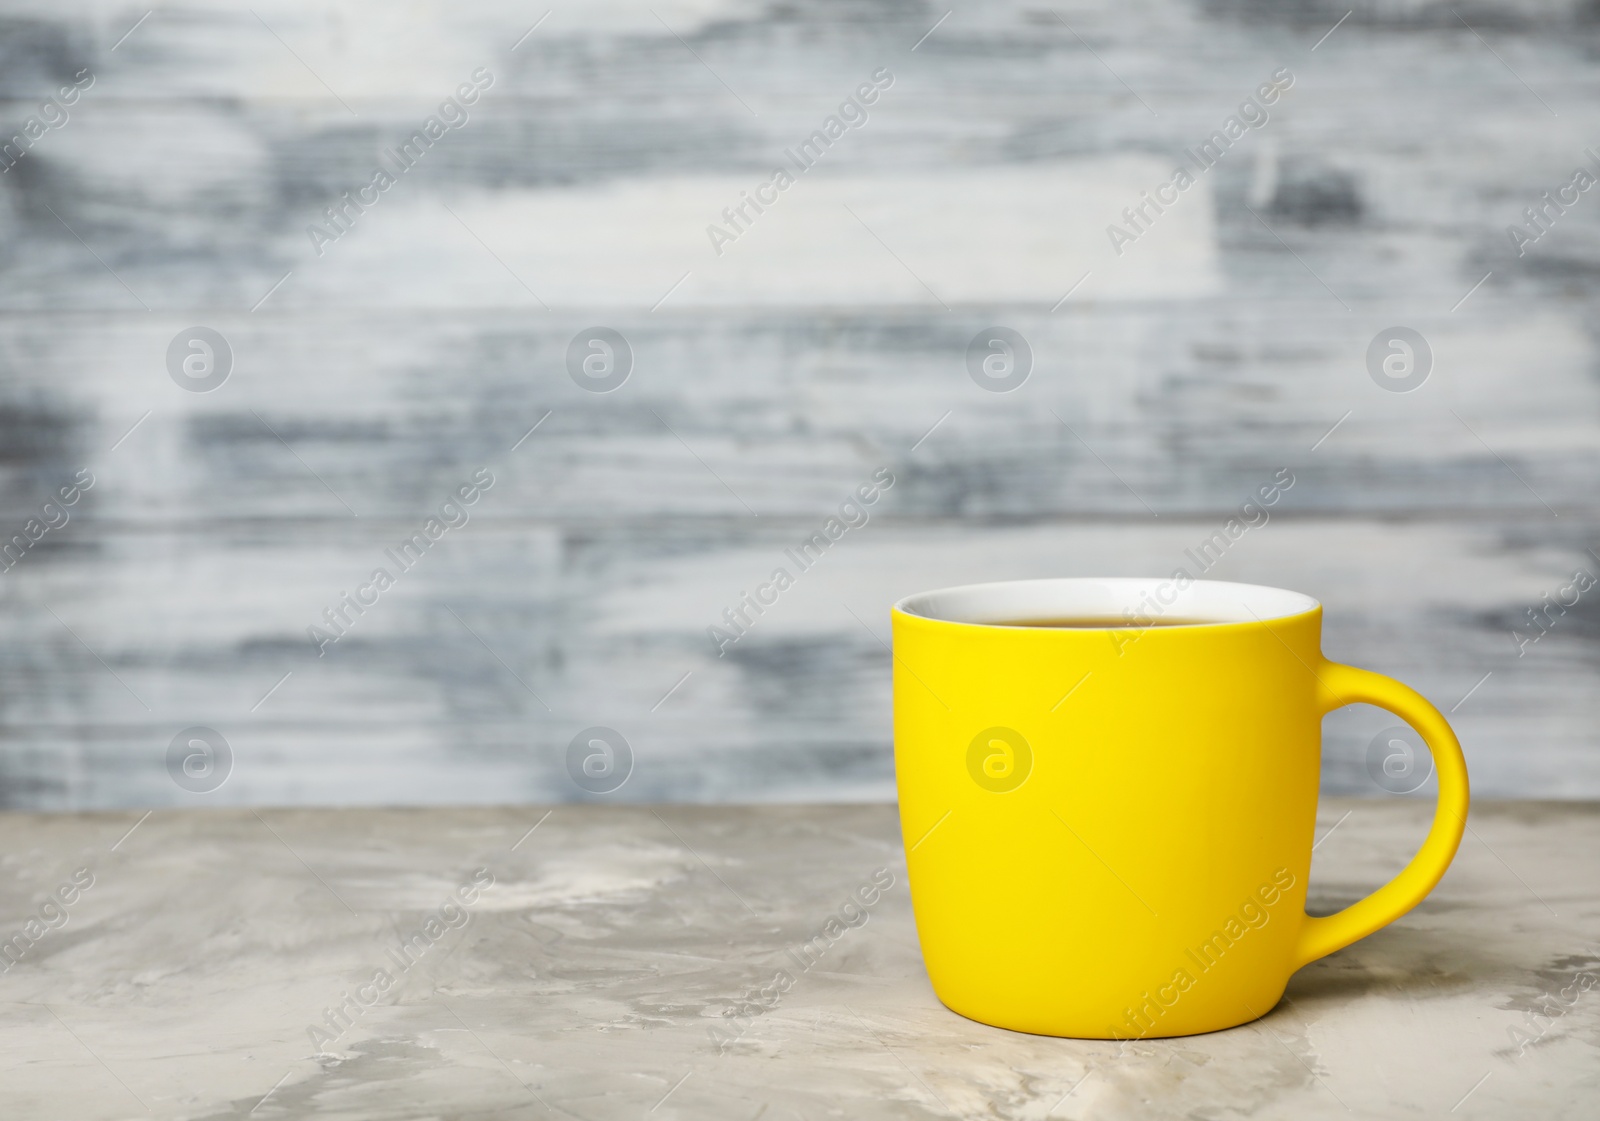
(606, 962)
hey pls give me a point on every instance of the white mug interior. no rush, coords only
(1130, 599)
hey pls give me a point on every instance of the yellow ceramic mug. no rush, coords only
(1108, 829)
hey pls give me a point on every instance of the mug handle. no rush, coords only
(1340, 685)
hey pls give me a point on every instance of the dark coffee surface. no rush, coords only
(1094, 622)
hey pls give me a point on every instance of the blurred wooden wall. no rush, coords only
(370, 381)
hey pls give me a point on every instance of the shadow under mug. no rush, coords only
(1108, 829)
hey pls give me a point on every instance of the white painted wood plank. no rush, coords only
(600, 626)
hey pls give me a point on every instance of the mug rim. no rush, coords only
(957, 605)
